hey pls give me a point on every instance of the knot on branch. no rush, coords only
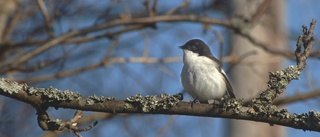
(153, 103)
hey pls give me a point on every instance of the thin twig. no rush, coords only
(260, 12)
(279, 80)
(46, 17)
(175, 9)
(107, 62)
(296, 98)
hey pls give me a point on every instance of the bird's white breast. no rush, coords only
(201, 78)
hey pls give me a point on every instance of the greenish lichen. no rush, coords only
(95, 99)
(52, 94)
(277, 83)
(127, 106)
(310, 119)
(259, 109)
(280, 79)
(35, 91)
(10, 86)
(101, 98)
(233, 104)
(152, 103)
(89, 102)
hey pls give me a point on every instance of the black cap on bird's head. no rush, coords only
(197, 46)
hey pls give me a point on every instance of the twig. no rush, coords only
(260, 12)
(58, 125)
(296, 98)
(279, 80)
(146, 44)
(306, 40)
(106, 62)
(240, 59)
(175, 9)
(287, 54)
(6, 66)
(87, 119)
(46, 17)
(110, 49)
(220, 40)
(26, 56)
(138, 23)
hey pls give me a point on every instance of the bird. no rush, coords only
(202, 76)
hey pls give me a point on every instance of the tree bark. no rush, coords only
(250, 76)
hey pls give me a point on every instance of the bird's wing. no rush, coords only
(229, 87)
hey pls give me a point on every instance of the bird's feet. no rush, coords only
(194, 101)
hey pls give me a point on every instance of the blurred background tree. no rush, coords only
(124, 47)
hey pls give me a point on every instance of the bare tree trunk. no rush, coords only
(250, 76)
(7, 8)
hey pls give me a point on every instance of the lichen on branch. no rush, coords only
(279, 80)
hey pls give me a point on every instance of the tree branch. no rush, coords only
(46, 16)
(297, 97)
(106, 62)
(134, 24)
(279, 80)
(165, 104)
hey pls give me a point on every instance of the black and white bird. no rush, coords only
(202, 76)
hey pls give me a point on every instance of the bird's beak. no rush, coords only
(181, 47)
